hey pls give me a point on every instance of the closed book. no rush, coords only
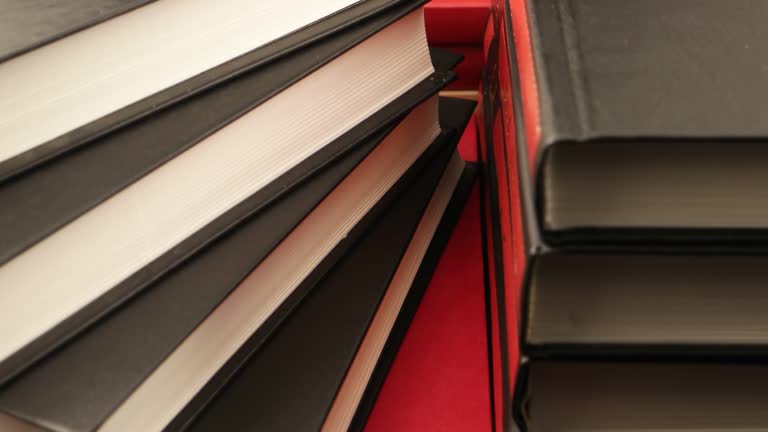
(160, 41)
(115, 249)
(641, 124)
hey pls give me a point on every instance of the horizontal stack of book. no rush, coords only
(628, 174)
(216, 215)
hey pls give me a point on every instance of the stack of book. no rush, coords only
(216, 215)
(628, 174)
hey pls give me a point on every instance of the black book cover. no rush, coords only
(263, 55)
(331, 321)
(54, 193)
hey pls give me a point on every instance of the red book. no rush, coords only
(503, 215)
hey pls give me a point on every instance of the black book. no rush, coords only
(642, 123)
(655, 297)
(117, 248)
(632, 280)
(81, 384)
(330, 325)
(633, 396)
(50, 195)
(177, 48)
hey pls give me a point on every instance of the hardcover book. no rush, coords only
(611, 235)
(333, 323)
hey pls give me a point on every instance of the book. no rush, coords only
(330, 323)
(81, 103)
(53, 194)
(631, 396)
(606, 282)
(116, 248)
(371, 364)
(615, 151)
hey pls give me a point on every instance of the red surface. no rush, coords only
(439, 380)
(456, 22)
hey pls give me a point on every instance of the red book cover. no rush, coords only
(504, 232)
